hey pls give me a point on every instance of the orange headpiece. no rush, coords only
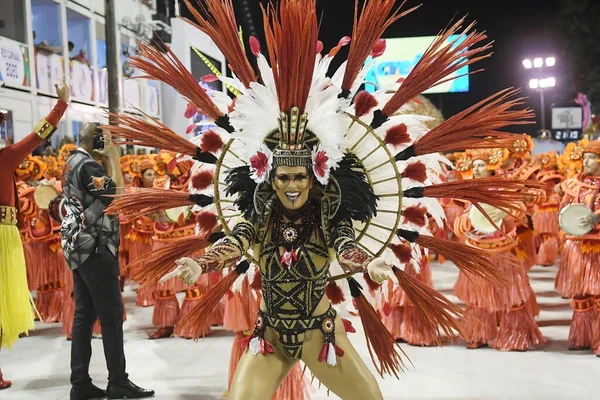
(65, 152)
(162, 162)
(31, 168)
(463, 164)
(135, 167)
(571, 162)
(592, 147)
(145, 164)
(126, 159)
(125, 162)
(492, 157)
(548, 161)
(522, 146)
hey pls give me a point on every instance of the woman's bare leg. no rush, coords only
(350, 379)
(258, 377)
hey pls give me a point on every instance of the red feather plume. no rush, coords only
(478, 126)
(397, 135)
(415, 171)
(402, 252)
(166, 67)
(257, 281)
(211, 142)
(207, 222)
(203, 179)
(363, 103)
(131, 129)
(415, 215)
(334, 293)
(371, 284)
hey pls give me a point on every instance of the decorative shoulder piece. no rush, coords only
(44, 129)
(223, 254)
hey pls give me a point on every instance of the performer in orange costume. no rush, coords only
(166, 230)
(518, 330)
(578, 277)
(128, 178)
(545, 217)
(142, 229)
(517, 165)
(45, 245)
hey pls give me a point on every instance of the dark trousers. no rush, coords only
(97, 294)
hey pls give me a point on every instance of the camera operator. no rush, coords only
(90, 244)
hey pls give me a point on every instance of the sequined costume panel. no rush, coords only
(294, 292)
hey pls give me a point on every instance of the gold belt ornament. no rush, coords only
(8, 215)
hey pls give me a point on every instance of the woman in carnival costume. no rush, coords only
(16, 311)
(310, 175)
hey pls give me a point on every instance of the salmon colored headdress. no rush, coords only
(492, 157)
(592, 147)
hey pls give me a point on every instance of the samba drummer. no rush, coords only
(518, 330)
(45, 246)
(579, 274)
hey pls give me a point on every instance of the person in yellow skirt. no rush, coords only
(16, 311)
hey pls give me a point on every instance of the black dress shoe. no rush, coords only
(90, 392)
(127, 390)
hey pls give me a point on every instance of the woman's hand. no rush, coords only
(188, 271)
(380, 270)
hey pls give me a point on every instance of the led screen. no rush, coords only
(401, 56)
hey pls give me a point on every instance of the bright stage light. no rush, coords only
(534, 83)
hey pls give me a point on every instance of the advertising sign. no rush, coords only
(14, 63)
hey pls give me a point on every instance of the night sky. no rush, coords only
(518, 28)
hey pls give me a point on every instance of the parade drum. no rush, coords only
(173, 214)
(44, 194)
(569, 217)
(480, 222)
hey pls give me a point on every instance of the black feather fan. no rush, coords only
(359, 202)
(240, 183)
